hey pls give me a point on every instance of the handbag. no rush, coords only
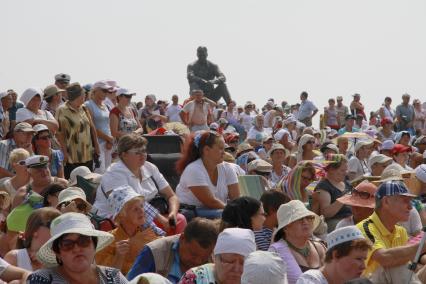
(159, 202)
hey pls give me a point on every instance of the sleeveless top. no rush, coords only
(100, 117)
(335, 193)
(294, 270)
(23, 259)
(125, 124)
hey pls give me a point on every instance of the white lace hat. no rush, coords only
(71, 223)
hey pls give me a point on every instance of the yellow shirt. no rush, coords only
(137, 242)
(381, 238)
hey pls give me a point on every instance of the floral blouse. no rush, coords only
(203, 274)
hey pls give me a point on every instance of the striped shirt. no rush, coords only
(263, 238)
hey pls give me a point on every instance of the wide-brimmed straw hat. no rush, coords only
(71, 223)
(361, 199)
(293, 211)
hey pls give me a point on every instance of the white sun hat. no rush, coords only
(262, 265)
(293, 211)
(71, 223)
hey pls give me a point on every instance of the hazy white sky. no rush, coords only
(265, 48)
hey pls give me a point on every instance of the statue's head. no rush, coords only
(202, 53)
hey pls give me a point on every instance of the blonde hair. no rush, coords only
(18, 155)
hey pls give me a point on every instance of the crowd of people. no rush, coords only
(82, 201)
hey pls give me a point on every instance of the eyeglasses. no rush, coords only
(362, 194)
(81, 206)
(82, 241)
(307, 218)
(44, 137)
(140, 151)
(308, 178)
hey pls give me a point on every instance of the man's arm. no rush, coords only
(144, 263)
(395, 256)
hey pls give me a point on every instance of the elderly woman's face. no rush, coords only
(77, 252)
(301, 228)
(352, 265)
(134, 158)
(34, 103)
(134, 213)
(229, 268)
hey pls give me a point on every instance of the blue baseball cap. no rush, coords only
(391, 188)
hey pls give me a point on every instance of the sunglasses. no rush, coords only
(107, 91)
(80, 205)
(140, 151)
(21, 163)
(82, 241)
(310, 142)
(44, 137)
(262, 173)
(307, 218)
(127, 96)
(362, 194)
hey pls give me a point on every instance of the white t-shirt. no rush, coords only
(118, 174)
(24, 114)
(414, 223)
(312, 276)
(255, 134)
(3, 265)
(238, 170)
(246, 121)
(195, 174)
(172, 113)
(358, 166)
(267, 118)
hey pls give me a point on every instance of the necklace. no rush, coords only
(305, 251)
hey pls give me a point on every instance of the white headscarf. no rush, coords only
(303, 140)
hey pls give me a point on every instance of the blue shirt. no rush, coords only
(100, 118)
(343, 130)
(145, 263)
